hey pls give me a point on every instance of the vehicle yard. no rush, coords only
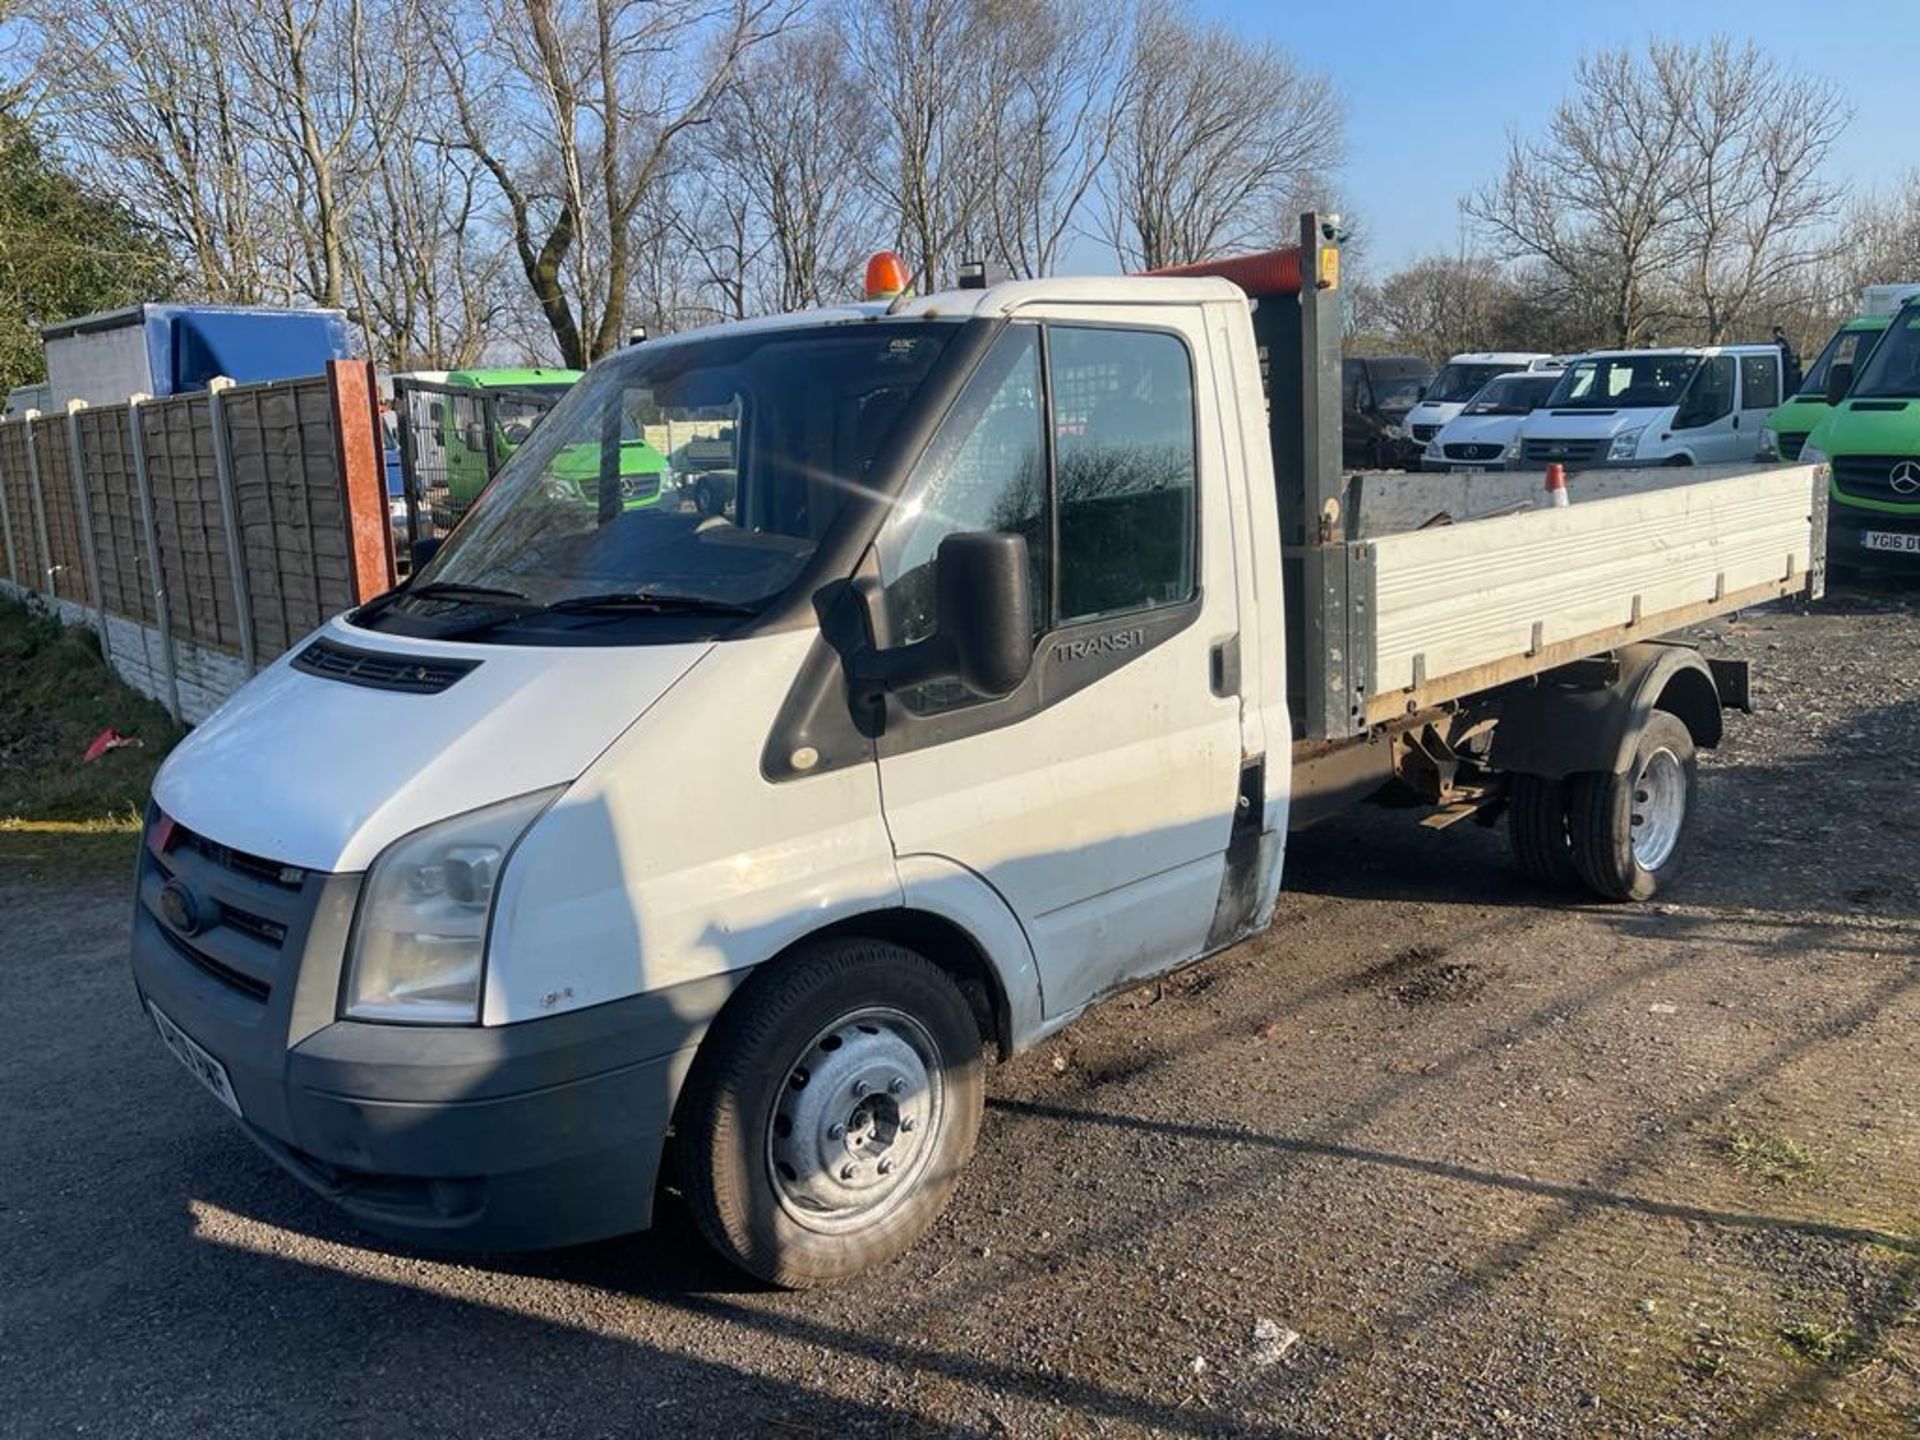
(1503, 1163)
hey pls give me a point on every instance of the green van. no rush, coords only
(523, 399)
(1871, 440)
(1790, 425)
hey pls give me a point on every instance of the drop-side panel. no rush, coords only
(1459, 608)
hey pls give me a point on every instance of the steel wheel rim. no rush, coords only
(1659, 808)
(856, 1120)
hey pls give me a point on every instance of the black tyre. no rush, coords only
(1537, 829)
(1629, 830)
(831, 1111)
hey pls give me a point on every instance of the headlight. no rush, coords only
(1769, 442)
(1813, 455)
(1514, 449)
(1433, 450)
(421, 933)
(1393, 432)
(1626, 444)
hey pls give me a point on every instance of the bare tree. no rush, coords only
(1054, 80)
(1882, 235)
(788, 143)
(1679, 189)
(574, 108)
(154, 112)
(1216, 133)
(921, 61)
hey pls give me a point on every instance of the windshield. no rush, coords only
(1893, 369)
(1460, 381)
(771, 429)
(1621, 382)
(1397, 392)
(1847, 347)
(1514, 394)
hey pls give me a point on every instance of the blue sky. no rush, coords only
(1432, 88)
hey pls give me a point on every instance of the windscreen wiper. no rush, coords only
(646, 602)
(453, 590)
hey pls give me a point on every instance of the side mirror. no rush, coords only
(983, 622)
(475, 436)
(1839, 381)
(425, 550)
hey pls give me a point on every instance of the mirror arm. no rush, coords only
(873, 672)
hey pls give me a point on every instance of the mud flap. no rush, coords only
(1240, 889)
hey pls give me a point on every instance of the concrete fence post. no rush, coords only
(137, 437)
(230, 517)
(89, 550)
(47, 567)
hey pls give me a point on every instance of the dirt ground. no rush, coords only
(1504, 1165)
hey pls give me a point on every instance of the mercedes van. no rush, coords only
(1871, 439)
(1459, 380)
(1477, 438)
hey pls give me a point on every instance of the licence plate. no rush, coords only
(207, 1070)
(1890, 540)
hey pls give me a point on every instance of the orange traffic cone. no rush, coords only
(1557, 486)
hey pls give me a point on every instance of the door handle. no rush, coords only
(1223, 666)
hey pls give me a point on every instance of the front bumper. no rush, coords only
(1848, 527)
(542, 1133)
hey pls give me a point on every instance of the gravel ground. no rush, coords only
(1503, 1165)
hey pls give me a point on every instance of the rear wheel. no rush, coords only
(1629, 830)
(831, 1112)
(1537, 829)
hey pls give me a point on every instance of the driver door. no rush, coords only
(1098, 799)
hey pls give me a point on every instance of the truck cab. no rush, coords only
(1459, 380)
(1696, 406)
(1790, 425)
(1870, 439)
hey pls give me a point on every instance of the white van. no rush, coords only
(1701, 406)
(1459, 380)
(1477, 438)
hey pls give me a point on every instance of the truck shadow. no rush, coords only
(1793, 832)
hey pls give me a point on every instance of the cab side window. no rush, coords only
(1124, 470)
(1759, 382)
(1710, 397)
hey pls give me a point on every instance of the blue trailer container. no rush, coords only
(168, 349)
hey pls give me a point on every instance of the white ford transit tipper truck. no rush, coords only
(1031, 626)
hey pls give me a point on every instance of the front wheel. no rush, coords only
(1629, 829)
(831, 1112)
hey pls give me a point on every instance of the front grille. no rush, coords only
(247, 985)
(1473, 452)
(287, 877)
(1788, 443)
(380, 669)
(1424, 433)
(1891, 479)
(234, 915)
(1562, 452)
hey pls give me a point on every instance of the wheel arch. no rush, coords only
(1556, 731)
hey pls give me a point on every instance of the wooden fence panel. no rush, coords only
(293, 522)
(53, 454)
(29, 567)
(187, 520)
(114, 498)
